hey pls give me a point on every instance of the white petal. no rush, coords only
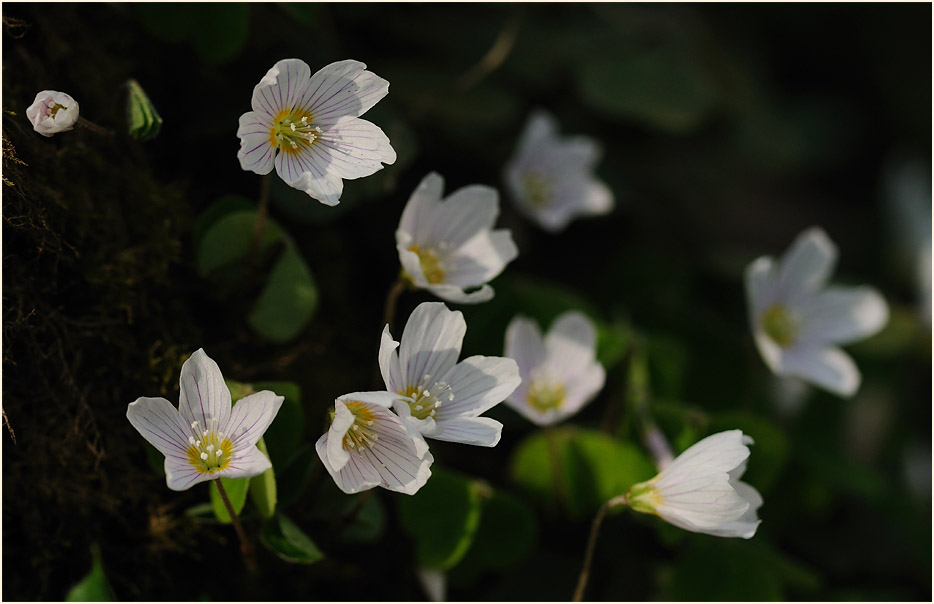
(598, 199)
(433, 582)
(477, 384)
(457, 295)
(571, 345)
(353, 148)
(423, 427)
(418, 214)
(342, 89)
(181, 475)
(806, 265)
(282, 87)
(431, 342)
(257, 153)
(718, 453)
(843, 314)
(481, 431)
(410, 261)
(245, 463)
(581, 389)
(160, 423)
(481, 259)
(466, 212)
(701, 501)
(829, 368)
(354, 476)
(308, 172)
(389, 361)
(395, 455)
(540, 129)
(250, 418)
(745, 526)
(524, 344)
(760, 277)
(204, 395)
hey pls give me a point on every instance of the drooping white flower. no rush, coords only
(560, 373)
(308, 127)
(798, 321)
(368, 446)
(204, 438)
(701, 490)
(551, 178)
(441, 398)
(448, 246)
(52, 112)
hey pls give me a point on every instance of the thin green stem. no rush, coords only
(259, 226)
(246, 548)
(391, 298)
(592, 543)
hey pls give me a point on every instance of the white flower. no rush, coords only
(551, 179)
(204, 438)
(442, 398)
(560, 374)
(52, 112)
(797, 320)
(447, 246)
(701, 490)
(308, 126)
(368, 446)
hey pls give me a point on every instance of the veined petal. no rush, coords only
(718, 453)
(745, 526)
(410, 262)
(418, 214)
(703, 501)
(180, 475)
(250, 418)
(477, 384)
(457, 295)
(282, 87)
(424, 427)
(829, 368)
(466, 212)
(431, 342)
(354, 476)
(843, 314)
(806, 265)
(396, 455)
(246, 462)
(204, 395)
(481, 258)
(337, 455)
(481, 431)
(525, 345)
(571, 344)
(307, 172)
(353, 148)
(389, 361)
(160, 423)
(257, 153)
(342, 89)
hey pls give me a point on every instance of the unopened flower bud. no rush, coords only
(52, 112)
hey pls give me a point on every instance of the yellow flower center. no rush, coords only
(537, 189)
(544, 394)
(430, 261)
(361, 434)
(424, 400)
(780, 325)
(54, 109)
(209, 450)
(293, 131)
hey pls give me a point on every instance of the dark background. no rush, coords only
(727, 130)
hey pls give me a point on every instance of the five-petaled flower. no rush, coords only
(367, 446)
(204, 438)
(441, 398)
(701, 490)
(52, 112)
(448, 246)
(560, 374)
(797, 320)
(308, 126)
(551, 179)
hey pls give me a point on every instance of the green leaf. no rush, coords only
(93, 587)
(442, 539)
(289, 542)
(288, 301)
(229, 238)
(263, 488)
(228, 204)
(236, 489)
(613, 341)
(285, 433)
(722, 570)
(221, 31)
(368, 524)
(294, 474)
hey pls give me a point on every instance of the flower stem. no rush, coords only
(591, 545)
(84, 123)
(391, 298)
(557, 473)
(246, 548)
(260, 226)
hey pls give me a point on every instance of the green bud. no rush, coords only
(143, 121)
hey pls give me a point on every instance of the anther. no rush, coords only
(356, 427)
(198, 443)
(294, 146)
(210, 448)
(292, 126)
(418, 407)
(194, 424)
(204, 456)
(191, 440)
(304, 120)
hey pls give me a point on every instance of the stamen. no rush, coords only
(204, 456)
(293, 127)
(191, 440)
(304, 120)
(194, 424)
(294, 145)
(210, 448)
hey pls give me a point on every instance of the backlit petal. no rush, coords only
(204, 395)
(342, 89)
(431, 342)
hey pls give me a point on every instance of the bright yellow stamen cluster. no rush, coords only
(361, 434)
(430, 262)
(209, 451)
(293, 131)
(427, 397)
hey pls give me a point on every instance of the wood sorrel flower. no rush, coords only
(308, 126)
(52, 112)
(204, 438)
(551, 179)
(560, 374)
(797, 320)
(448, 246)
(701, 491)
(368, 446)
(442, 398)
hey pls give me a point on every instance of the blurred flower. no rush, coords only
(204, 438)
(368, 446)
(308, 127)
(443, 398)
(52, 112)
(551, 178)
(560, 374)
(447, 246)
(701, 491)
(908, 209)
(797, 320)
